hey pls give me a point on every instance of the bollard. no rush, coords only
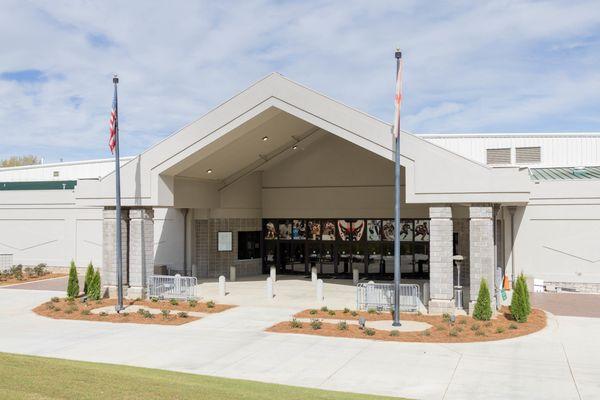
(232, 273)
(269, 288)
(313, 274)
(177, 283)
(426, 294)
(273, 274)
(194, 270)
(355, 275)
(222, 286)
(320, 290)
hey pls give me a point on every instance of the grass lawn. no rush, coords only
(27, 377)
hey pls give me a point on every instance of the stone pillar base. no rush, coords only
(110, 291)
(134, 292)
(441, 306)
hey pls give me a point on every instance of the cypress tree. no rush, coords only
(73, 286)
(518, 303)
(89, 274)
(94, 290)
(525, 290)
(483, 307)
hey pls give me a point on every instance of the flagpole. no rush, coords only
(119, 306)
(397, 204)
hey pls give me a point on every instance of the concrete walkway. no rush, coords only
(560, 362)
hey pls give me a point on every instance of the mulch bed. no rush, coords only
(26, 279)
(465, 329)
(77, 310)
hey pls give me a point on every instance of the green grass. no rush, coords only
(27, 377)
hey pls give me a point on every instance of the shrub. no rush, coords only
(17, 272)
(71, 309)
(475, 327)
(295, 324)
(55, 299)
(479, 333)
(346, 310)
(73, 287)
(56, 308)
(353, 313)
(316, 324)
(394, 332)
(313, 312)
(103, 313)
(124, 314)
(148, 314)
(462, 321)
(182, 314)
(372, 311)
(165, 313)
(499, 329)
(331, 312)
(154, 299)
(192, 303)
(512, 326)
(342, 326)
(85, 312)
(453, 332)
(369, 331)
(446, 317)
(50, 306)
(94, 290)
(40, 269)
(520, 307)
(89, 275)
(29, 271)
(440, 327)
(483, 307)
(141, 311)
(324, 309)
(210, 304)
(427, 332)
(174, 302)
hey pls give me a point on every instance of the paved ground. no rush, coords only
(560, 362)
(572, 304)
(58, 284)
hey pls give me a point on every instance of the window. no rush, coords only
(498, 156)
(528, 155)
(55, 174)
(248, 245)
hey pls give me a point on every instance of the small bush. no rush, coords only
(324, 309)
(50, 306)
(440, 328)
(89, 275)
(453, 332)
(174, 302)
(513, 326)
(331, 312)
(40, 269)
(427, 332)
(70, 300)
(353, 313)
(55, 299)
(103, 314)
(29, 271)
(462, 321)
(487, 324)
(85, 312)
(17, 272)
(483, 307)
(192, 303)
(295, 324)
(210, 304)
(148, 314)
(394, 332)
(56, 308)
(499, 329)
(316, 324)
(73, 286)
(369, 331)
(479, 333)
(165, 313)
(141, 311)
(372, 311)
(475, 327)
(124, 314)
(71, 309)
(313, 312)
(154, 299)
(182, 314)
(446, 317)
(346, 310)
(342, 326)
(459, 328)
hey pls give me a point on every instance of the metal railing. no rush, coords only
(380, 296)
(172, 287)
(6, 262)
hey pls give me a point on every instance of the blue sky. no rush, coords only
(498, 66)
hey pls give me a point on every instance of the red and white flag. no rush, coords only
(112, 139)
(398, 98)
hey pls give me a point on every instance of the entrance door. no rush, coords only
(298, 257)
(286, 263)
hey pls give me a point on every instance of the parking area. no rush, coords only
(568, 304)
(55, 284)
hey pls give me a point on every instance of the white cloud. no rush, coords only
(489, 66)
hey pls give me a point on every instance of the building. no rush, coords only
(283, 176)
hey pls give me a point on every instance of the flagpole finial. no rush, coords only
(398, 53)
(115, 78)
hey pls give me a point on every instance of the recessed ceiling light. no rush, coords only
(265, 138)
(209, 171)
(294, 147)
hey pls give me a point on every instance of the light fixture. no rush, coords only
(265, 138)
(209, 171)
(294, 147)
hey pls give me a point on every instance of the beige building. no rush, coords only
(283, 176)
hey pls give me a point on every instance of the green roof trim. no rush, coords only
(564, 173)
(38, 185)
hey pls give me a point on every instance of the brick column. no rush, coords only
(108, 272)
(141, 250)
(440, 260)
(481, 251)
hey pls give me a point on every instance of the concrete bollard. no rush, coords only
(320, 290)
(194, 270)
(269, 288)
(222, 291)
(232, 274)
(426, 294)
(355, 275)
(273, 272)
(313, 274)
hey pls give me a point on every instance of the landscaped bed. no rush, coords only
(463, 329)
(19, 274)
(170, 312)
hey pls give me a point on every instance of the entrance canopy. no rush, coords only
(225, 152)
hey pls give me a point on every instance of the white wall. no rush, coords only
(169, 237)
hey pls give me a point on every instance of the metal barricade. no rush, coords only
(380, 296)
(172, 287)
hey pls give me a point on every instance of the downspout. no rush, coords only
(512, 210)
(185, 226)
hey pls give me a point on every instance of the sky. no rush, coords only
(469, 67)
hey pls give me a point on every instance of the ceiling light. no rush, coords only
(265, 138)
(209, 171)
(294, 147)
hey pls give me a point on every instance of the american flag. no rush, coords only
(398, 98)
(112, 140)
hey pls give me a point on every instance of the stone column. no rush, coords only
(440, 260)
(141, 250)
(108, 272)
(481, 251)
